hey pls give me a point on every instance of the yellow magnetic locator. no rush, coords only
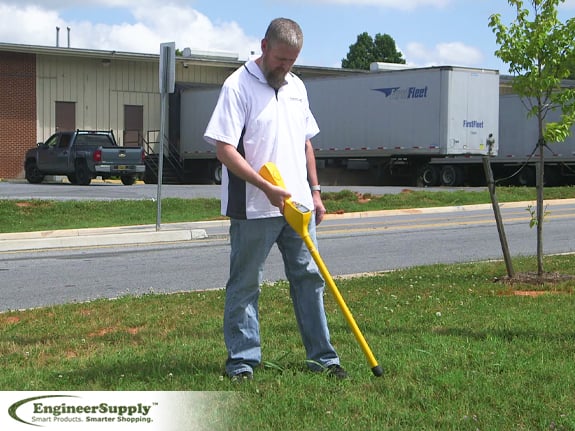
(298, 217)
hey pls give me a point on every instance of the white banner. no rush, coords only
(148, 411)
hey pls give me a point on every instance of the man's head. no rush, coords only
(281, 46)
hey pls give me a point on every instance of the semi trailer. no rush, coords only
(421, 126)
(394, 123)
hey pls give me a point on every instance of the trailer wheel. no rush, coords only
(217, 173)
(451, 176)
(526, 177)
(429, 176)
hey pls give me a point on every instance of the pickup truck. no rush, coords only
(82, 155)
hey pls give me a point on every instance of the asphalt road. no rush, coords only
(348, 246)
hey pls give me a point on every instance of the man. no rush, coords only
(263, 115)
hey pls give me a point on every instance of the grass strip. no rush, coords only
(39, 215)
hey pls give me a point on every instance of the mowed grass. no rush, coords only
(460, 351)
(39, 215)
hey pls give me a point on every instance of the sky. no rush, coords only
(427, 32)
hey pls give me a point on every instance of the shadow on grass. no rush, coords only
(482, 335)
(143, 374)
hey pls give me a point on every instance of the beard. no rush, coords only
(275, 78)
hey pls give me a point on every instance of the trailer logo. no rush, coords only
(397, 93)
(473, 124)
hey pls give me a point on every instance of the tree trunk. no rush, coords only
(540, 210)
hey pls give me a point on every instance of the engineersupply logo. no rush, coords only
(53, 409)
(397, 93)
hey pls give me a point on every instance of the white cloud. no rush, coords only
(28, 24)
(392, 4)
(448, 53)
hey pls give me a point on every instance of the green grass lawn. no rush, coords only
(38, 215)
(460, 351)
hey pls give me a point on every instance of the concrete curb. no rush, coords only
(78, 238)
(188, 231)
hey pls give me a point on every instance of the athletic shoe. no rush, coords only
(336, 371)
(242, 377)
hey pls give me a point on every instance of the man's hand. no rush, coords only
(229, 156)
(318, 207)
(276, 195)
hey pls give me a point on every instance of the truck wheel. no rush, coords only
(217, 173)
(526, 177)
(128, 180)
(33, 174)
(451, 176)
(430, 176)
(72, 179)
(83, 176)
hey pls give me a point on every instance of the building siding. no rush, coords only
(100, 91)
(32, 81)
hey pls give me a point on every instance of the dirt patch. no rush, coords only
(535, 293)
(12, 320)
(363, 198)
(533, 279)
(532, 285)
(105, 331)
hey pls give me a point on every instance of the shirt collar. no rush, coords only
(254, 70)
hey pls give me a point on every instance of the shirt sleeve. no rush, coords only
(228, 118)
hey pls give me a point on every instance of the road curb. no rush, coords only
(57, 240)
(189, 231)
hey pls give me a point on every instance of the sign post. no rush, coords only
(167, 84)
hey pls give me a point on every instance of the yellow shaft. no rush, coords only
(339, 299)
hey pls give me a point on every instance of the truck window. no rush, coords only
(52, 141)
(93, 140)
(64, 141)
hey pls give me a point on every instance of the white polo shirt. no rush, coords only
(264, 126)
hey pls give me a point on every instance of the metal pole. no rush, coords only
(164, 79)
(164, 105)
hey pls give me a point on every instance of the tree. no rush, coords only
(367, 50)
(539, 50)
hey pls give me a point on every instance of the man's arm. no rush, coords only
(313, 181)
(229, 156)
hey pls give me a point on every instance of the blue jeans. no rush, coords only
(251, 242)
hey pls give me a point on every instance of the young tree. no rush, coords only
(367, 50)
(539, 49)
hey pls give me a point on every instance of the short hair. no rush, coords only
(285, 30)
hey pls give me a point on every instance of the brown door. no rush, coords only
(133, 125)
(65, 116)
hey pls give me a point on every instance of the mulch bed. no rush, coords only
(519, 283)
